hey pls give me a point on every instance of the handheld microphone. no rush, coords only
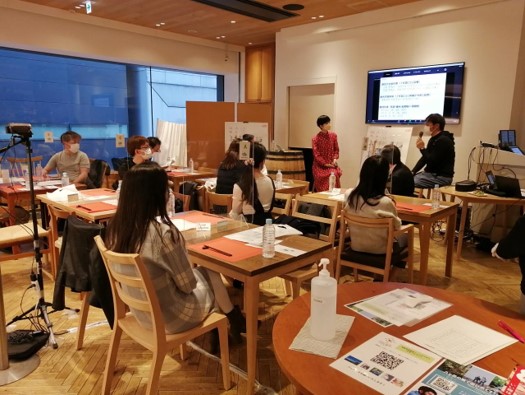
(420, 134)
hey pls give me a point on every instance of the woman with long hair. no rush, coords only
(254, 194)
(230, 169)
(369, 200)
(141, 225)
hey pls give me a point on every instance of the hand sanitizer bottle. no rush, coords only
(38, 170)
(279, 179)
(323, 304)
(191, 165)
(331, 182)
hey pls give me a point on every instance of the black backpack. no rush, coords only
(307, 227)
(191, 188)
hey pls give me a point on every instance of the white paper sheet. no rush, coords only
(288, 250)
(61, 194)
(305, 342)
(460, 340)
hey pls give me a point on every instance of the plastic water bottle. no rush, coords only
(268, 239)
(331, 182)
(435, 197)
(323, 304)
(38, 171)
(191, 165)
(279, 179)
(171, 204)
(26, 177)
(65, 179)
(118, 187)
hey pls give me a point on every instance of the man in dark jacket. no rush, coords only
(438, 156)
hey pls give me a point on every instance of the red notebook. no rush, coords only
(226, 249)
(416, 208)
(96, 207)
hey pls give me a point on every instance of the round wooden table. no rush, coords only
(311, 374)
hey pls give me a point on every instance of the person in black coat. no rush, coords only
(513, 246)
(401, 180)
(230, 169)
(438, 157)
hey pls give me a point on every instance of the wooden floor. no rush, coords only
(67, 371)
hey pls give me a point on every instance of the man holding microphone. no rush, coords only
(437, 157)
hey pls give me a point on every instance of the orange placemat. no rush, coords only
(232, 250)
(203, 217)
(98, 192)
(416, 208)
(96, 207)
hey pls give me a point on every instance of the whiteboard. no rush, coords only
(379, 136)
(234, 130)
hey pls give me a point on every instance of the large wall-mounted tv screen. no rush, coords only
(408, 95)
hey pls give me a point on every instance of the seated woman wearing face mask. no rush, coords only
(139, 151)
(71, 160)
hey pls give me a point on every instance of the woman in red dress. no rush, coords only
(326, 153)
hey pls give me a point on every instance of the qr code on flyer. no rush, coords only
(443, 384)
(387, 360)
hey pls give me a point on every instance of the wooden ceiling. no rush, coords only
(198, 20)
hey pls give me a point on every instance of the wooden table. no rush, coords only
(252, 272)
(289, 186)
(72, 207)
(466, 198)
(447, 211)
(311, 374)
(178, 177)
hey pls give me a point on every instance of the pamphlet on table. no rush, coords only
(451, 378)
(386, 363)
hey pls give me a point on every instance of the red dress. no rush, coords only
(325, 149)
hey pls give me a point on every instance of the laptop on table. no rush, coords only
(503, 186)
(507, 141)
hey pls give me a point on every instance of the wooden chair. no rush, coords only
(217, 199)
(133, 291)
(297, 277)
(15, 235)
(285, 198)
(17, 165)
(374, 263)
(55, 239)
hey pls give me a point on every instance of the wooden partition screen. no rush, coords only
(205, 127)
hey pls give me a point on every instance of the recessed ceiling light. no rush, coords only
(192, 31)
(313, 17)
(78, 7)
(232, 22)
(250, 43)
(223, 36)
(218, 37)
(293, 7)
(162, 23)
(82, 5)
(321, 16)
(157, 24)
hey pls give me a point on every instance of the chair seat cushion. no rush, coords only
(375, 260)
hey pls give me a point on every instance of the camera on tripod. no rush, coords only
(21, 129)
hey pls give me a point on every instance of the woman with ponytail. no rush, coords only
(254, 194)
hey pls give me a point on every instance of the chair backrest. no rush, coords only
(283, 204)
(360, 224)
(132, 288)
(331, 214)
(54, 214)
(18, 164)
(185, 201)
(218, 199)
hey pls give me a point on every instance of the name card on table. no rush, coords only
(72, 197)
(203, 226)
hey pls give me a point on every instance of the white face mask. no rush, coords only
(147, 154)
(426, 129)
(74, 148)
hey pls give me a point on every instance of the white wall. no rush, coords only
(486, 35)
(32, 27)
